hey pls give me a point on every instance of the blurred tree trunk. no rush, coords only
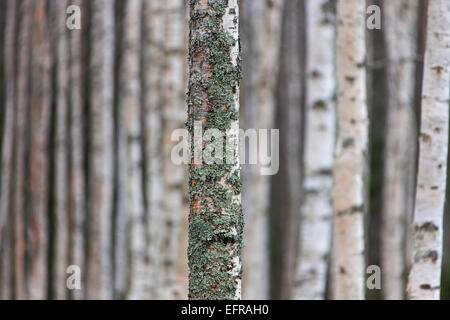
(130, 113)
(61, 259)
(101, 155)
(401, 18)
(7, 165)
(286, 185)
(153, 57)
(77, 199)
(23, 98)
(38, 158)
(424, 278)
(315, 232)
(350, 153)
(261, 25)
(215, 219)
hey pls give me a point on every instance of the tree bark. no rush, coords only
(215, 220)
(424, 278)
(400, 20)
(350, 152)
(315, 231)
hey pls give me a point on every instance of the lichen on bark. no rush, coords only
(215, 219)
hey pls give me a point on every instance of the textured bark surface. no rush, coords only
(425, 275)
(400, 19)
(215, 219)
(315, 231)
(261, 26)
(350, 153)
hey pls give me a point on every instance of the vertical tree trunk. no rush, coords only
(39, 153)
(401, 18)
(153, 57)
(316, 210)
(8, 150)
(424, 278)
(350, 152)
(101, 167)
(215, 220)
(286, 188)
(61, 203)
(131, 142)
(261, 30)
(77, 199)
(173, 117)
(21, 123)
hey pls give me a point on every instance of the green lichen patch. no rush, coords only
(215, 219)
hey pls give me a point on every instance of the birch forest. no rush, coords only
(224, 149)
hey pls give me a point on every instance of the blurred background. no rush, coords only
(86, 117)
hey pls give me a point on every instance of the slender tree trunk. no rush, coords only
(315, 232)
(8, 150)
(173, 117)
(77, 197)
(261, 30)
(425, 276)
(99, 261)
(131, 141)
(400, 20)
(61, 259)
(286, 188)
(21, 123)
(215, 220)
(37, 222)
(153, 57)
(350, 152)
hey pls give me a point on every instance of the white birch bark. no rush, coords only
(400, 20)
(350, 152)
(101, 168)
(173, 117)
(61, 203)
(131, 139)
(153, 58)
(77, 180)
(425, 275)
(261, 31)
(316, 211)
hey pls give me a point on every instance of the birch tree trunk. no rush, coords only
(8, 150)
(215, 219)
(315, 231)
(77, 199)
(261, 30)
(61, 259)
(401, 17)
(350, 152)
(425, 275)
(152, 64)
(173, 117)
(39, 153)
(131, 141)
(19, 154)
(101, 168)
